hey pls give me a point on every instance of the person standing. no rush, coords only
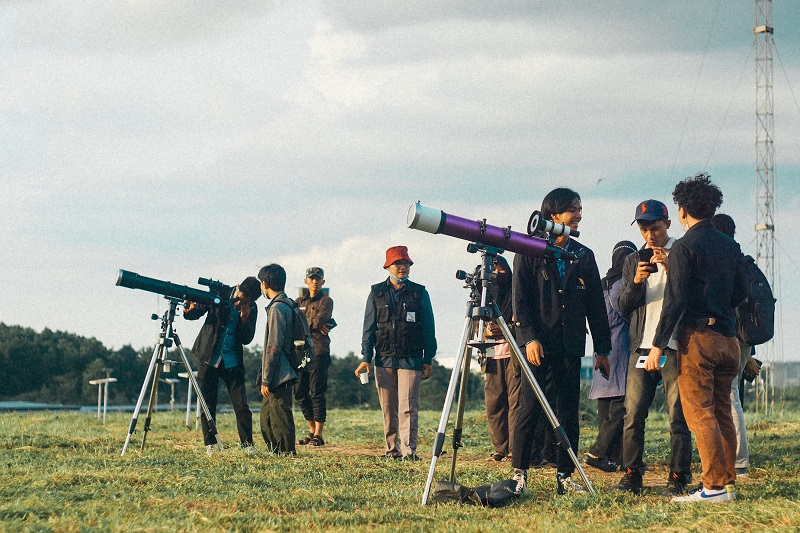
(609, 391)
(219, 350)
(501, 374)
(726, 225)
(277, 375)
(553, 300)
(399, 333)
(644, 279)
(704, 286)
(313, 381)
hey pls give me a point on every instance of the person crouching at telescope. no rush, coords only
(552, 302)
(219, 349)
(399, 331)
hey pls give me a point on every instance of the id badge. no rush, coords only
(411, 316)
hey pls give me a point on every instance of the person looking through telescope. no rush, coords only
(399, 332)
(552, 302)
(219, 350)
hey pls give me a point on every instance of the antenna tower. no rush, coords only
(765, 179)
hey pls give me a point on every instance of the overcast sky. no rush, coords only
(209, 138)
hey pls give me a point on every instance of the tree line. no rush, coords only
(56, 367)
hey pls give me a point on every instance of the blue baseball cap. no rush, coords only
(650, 210)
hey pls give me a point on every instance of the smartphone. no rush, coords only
(645, 256)
(332, 323)
(643, 359)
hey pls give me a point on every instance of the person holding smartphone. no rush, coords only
(644, 278)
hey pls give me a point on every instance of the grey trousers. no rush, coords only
(398, 392)
(742, 448)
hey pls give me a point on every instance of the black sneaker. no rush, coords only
(564, 485)
(675, 485)
(630, 482)
(600, 463)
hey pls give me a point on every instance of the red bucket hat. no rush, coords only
(396, 253)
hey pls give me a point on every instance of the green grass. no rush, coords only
(63, 472)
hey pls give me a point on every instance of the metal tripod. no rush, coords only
(165, 340)
(481, 309)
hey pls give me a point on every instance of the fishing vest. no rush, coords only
(399, 331)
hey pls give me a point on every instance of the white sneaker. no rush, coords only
(210, 450)
(521, 477)
(249, 450)
(705, 495)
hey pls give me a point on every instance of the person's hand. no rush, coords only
(244, 310)
(660, 257)
(534, 353)
(601, 363)
(264, 391)
(643, 271)
(363, 367)
(493, 330)
(651, 365)
(752, 367)
(326, 328)
(427, 371)
(188, 306)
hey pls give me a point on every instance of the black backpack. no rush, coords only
(755, 316)
(301, 336)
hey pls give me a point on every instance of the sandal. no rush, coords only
(316, 440)
(305, 440)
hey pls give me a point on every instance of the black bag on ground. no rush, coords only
(755, 316)
(447, 492)
(497, 494)
(493, 495)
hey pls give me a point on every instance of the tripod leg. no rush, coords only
(153, 395)
(139, 402)
(212, 427)
(523, 363)
(458, 425)
(448, 403)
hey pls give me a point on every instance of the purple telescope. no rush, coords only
(433, 220)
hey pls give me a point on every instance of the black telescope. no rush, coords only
(133, 280)
(433, 220)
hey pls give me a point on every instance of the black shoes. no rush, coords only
(675, 485)
(630, 482)
(600, 463)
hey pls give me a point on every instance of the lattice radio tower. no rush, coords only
(765, 178)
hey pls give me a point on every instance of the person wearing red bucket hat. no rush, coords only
(399, 334)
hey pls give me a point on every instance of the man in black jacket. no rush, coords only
(218, 348)
(552, 301)
(399, 332)
(704, 285)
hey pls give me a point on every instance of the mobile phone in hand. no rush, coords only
(645, 256)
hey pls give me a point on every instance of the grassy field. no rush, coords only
(63, 472)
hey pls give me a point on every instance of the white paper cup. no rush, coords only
(364, 377)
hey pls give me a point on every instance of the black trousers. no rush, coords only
(309, 391)
(277, 421)
(563, 373)
(611, 415)
(234, 381)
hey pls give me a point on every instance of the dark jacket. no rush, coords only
(631, 300)
(276, 368)
(318, 311)
(703, 282)
(555, 313)
(400, 333)
(211, 332)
